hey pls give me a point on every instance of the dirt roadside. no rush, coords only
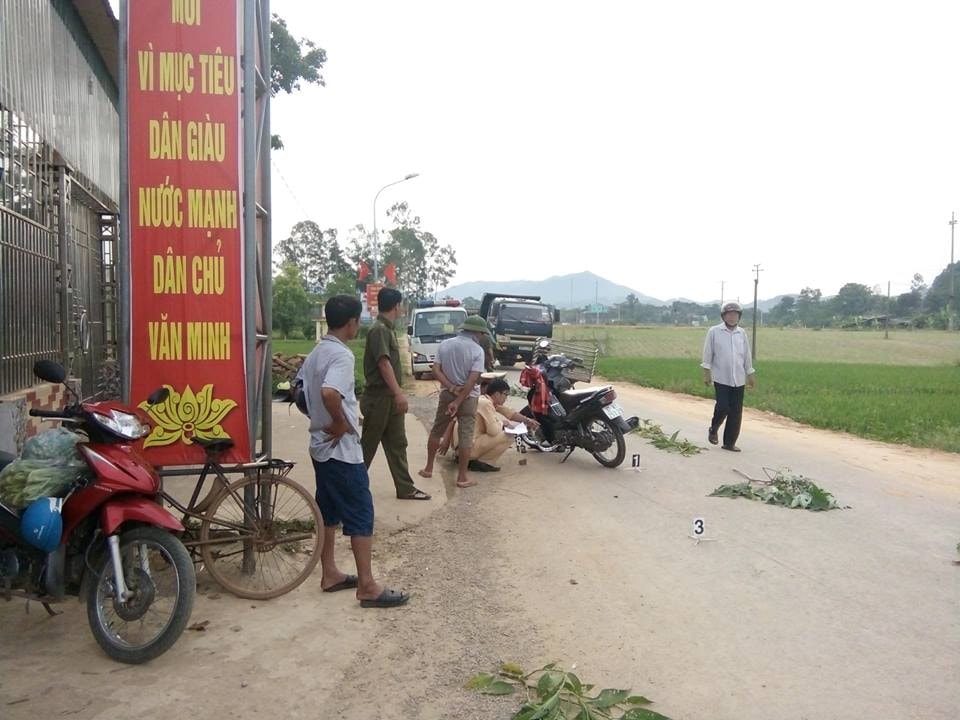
(783, 614)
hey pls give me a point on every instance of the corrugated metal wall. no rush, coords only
(59, 189)
(47, 81)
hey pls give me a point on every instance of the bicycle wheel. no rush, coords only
(261, 538)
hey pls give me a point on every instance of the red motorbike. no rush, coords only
(117, 551)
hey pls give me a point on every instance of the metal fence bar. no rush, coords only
(28, 299)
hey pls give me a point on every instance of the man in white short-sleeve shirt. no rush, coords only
(458, 368)
(343, 486)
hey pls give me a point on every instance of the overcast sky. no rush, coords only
(664, 145)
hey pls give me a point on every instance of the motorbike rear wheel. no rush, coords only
(601, 424)
(159, 572)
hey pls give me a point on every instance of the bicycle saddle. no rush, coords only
(214, 446)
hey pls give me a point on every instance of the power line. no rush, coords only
(306, 214)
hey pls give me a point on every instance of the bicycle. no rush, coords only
(260, 536)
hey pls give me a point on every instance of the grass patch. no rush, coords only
(904, 347)
(917, 406)
(303, 347)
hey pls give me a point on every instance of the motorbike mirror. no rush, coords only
(158, 396)
(50, 371)
(410, 330)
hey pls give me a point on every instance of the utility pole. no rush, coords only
(597, 298)
(886, 320)
(953, 301)
(721, 294)
(756, 281)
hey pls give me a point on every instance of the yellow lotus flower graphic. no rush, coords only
(186, 416)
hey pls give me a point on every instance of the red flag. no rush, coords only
(390, 273)
(364, 271)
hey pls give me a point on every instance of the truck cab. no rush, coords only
(517, 321)
(430, 324)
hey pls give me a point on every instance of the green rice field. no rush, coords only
(905, 389)
(904, 347)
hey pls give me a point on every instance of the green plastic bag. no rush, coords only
(57, 444)
(49, 466)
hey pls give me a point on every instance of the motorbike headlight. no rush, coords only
(123, 424)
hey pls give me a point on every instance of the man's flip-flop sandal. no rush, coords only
(415, 495)
(348, 583)
(388, 598)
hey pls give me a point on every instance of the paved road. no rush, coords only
(783, 614)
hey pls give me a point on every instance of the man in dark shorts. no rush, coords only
(458, 368)
(384, 404)
(343, 487)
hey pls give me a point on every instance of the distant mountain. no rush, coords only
(564, 291)
(763, 305)
(768, 305)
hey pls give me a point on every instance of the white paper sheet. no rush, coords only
(520, 429)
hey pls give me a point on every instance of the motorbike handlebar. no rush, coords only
(60, 414)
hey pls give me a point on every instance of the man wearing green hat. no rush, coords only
(458, 367)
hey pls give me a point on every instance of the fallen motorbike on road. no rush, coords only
(102, 535)
(570, 418)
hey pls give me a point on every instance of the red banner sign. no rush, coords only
(186, 219)
(373, 302)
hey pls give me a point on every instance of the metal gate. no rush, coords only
(57, 283)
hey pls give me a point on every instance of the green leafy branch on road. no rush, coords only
(518, 391)
(659, 439)
(554, 694)
(782, 487)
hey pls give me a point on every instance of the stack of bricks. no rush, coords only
(42, 397)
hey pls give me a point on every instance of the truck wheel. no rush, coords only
(507, 360)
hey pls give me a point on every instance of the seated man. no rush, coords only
(489, 439)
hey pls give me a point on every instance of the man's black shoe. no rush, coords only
(712, 437)
(731, 448)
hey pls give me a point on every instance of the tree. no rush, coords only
(359, 247)
(809, 310)
(785, 311)
(441, 262)
(907, 304)
(344, 283)
(289, 64)
(405, 249)
(911, 303)
(315, 252)
(423, 265)
(939, 295)
(852, 300)
(291, 304)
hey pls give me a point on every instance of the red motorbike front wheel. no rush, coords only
(159, 573)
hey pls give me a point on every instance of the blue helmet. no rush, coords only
(41, 524)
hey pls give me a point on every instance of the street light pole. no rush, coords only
(376, 237)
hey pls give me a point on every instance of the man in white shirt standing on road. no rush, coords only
(343, 486)
(728, 364)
